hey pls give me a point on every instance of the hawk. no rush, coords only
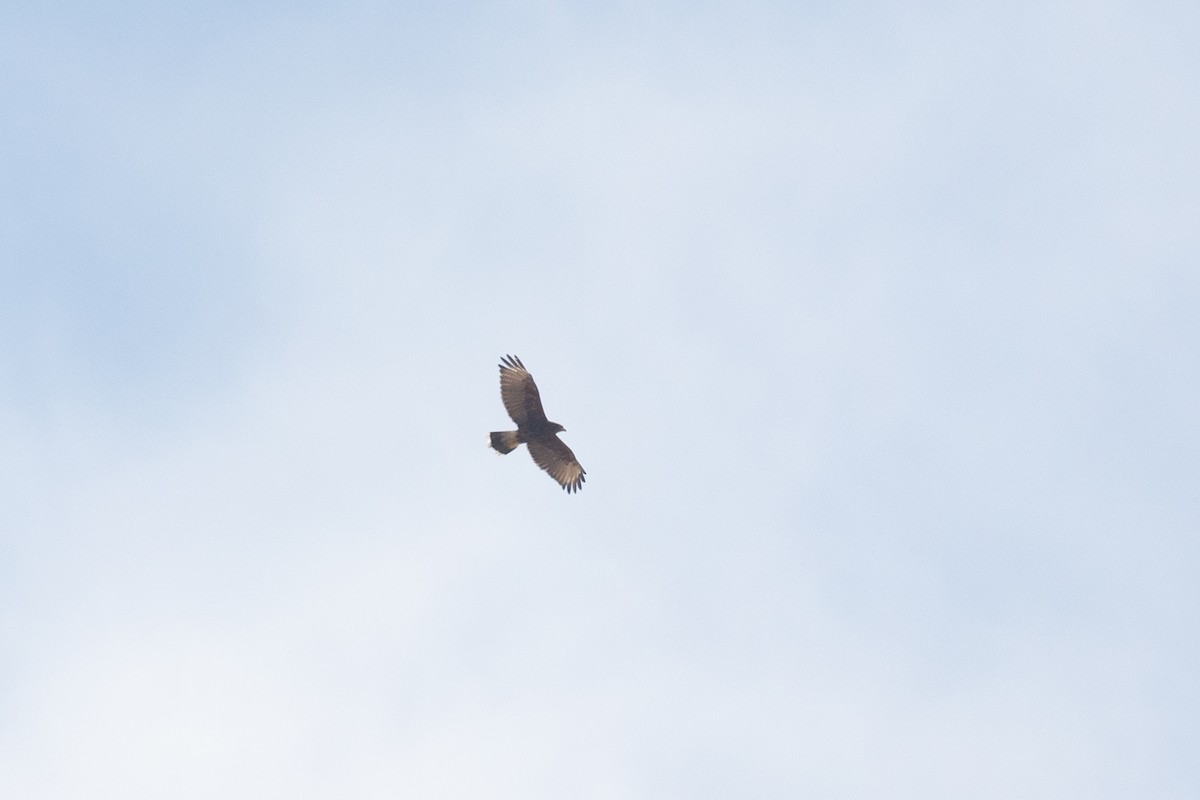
(540, 435)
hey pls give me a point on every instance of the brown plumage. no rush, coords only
(540, 435)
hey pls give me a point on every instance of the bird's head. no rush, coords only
(556, 428)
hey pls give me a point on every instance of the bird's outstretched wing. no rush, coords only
(520, 394)
(556, 458)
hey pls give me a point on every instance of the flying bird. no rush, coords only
(540, 435)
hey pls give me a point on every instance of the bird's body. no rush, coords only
(523, 403)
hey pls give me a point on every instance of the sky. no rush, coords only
(874, 325)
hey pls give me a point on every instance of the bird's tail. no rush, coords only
(504, 441)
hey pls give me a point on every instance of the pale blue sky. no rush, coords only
(875, 327)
